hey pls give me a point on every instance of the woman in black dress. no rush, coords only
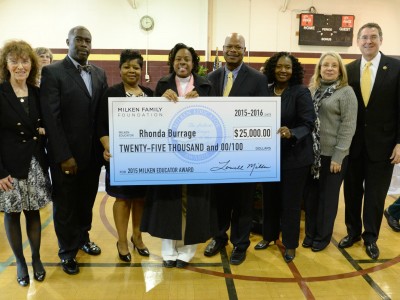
(182, 215)
(24, 180)
(129, 200)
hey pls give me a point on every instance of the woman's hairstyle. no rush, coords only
(19, 49)
(128, 55)
(297, 68)
(315, 81)
(42, 50)
(172, 54)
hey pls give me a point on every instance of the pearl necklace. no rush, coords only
(276, 93)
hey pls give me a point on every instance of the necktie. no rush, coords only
(228, 85)
(366, 83)
(85, 68)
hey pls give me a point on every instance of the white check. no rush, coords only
(204, 140)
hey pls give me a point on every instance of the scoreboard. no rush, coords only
(326, 30)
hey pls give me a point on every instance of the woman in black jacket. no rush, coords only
(282, 200)
(24, 180)
(182, 215)
(129, 200)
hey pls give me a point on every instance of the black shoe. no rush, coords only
(169, 263)
(289, 255)
(237, 257)
(307, 242)
(263, 244)
(372, 250)
(181, 264)
(23, 281)
(214, 247)
(70, 266)
(348, 241)
(124, 257)
(142, 252)
(319, 246)
(39, 276)
(91, 248)
(392, 222)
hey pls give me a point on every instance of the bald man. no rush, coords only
(235, 200)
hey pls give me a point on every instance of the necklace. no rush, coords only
(278, 94)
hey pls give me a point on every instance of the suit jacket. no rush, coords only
(19, 135)
(69, 112)
(298, 114)
(249, 82)
(378, 124)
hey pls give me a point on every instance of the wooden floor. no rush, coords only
(331, 274)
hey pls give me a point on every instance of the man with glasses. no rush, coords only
(235, 200)
(375, 148)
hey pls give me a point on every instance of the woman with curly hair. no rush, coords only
(181, 215)
(24, 179)
(282, 200)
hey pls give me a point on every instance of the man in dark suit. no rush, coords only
(235, 201)
(70, 92)
(376, 144)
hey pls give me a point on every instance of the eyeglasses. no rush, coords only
(236, 47)
(372, 38)
(24, 63)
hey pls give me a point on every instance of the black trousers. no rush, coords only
(282, 206)
(376, 177)
(235, 208)
(321, 201)
(73, 199)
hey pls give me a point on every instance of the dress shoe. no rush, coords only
(263, 244)
(142, 252)
(289, 255)
(124, 257)
(237, 257)
(181, 264)
(23, 281)
(70, 266)
(39, 276)
(307, 242)
(91, 248)
(214, 247)
(348, 241)
(169, 263)
(372, 250)
(392, 222)
(318, 246)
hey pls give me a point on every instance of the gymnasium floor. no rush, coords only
(330, 274)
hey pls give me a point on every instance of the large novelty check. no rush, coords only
(204, 140)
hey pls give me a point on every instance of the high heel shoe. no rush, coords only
(39, 276)
(124, 257)
(23, 281)
(263, 244)
(289, 255)
(142, 252)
